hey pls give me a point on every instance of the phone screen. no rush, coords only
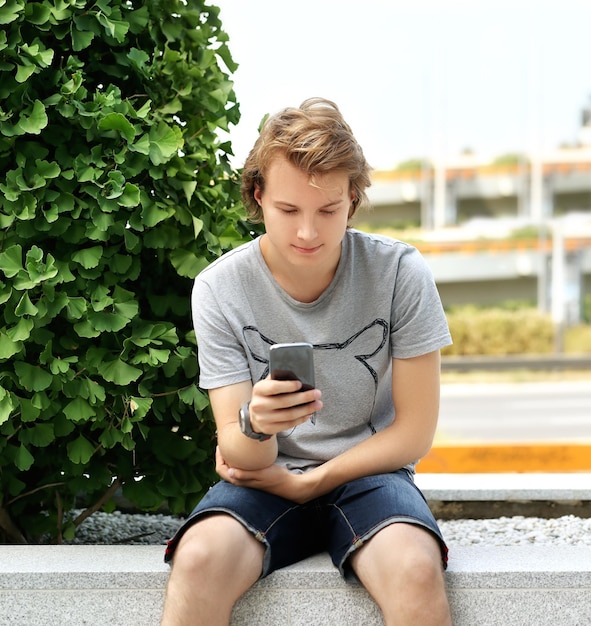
(293, 361)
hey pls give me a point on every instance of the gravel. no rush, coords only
(134, 529)
(518, 531)
(125, 528)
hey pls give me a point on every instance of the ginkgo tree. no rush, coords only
(115, 191)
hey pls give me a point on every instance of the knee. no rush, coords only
(192, 554)
(421, 568)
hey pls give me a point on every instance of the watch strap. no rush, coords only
(246, 426)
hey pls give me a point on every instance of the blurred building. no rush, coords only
(514, 186)
(466, 206)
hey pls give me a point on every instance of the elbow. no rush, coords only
(249, 457)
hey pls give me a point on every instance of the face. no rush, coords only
(305, 220)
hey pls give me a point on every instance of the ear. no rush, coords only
(352, 205)
(258, 196)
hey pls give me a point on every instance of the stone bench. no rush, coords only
(122, 585)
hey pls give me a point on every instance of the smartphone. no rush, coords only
(293, 361)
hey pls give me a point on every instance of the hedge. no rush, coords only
(115, 191)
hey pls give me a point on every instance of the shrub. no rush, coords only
(499, 331)
(115, 192)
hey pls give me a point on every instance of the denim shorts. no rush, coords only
(338, 522)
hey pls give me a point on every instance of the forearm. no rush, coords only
(386, 451)
(273, 406)
(241, 452)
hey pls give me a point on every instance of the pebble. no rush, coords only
(155, 529)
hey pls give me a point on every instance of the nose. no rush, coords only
(307, 230)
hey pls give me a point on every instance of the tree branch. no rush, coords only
(98, 504)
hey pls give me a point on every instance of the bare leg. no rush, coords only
(401, 569)
(216, 561)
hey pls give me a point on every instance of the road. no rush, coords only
(522, 412)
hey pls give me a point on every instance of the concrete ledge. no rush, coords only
(506, 487)
(122, 585)
(481, 496)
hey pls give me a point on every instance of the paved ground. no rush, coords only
(551, 412)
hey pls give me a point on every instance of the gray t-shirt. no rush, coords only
(381, 304)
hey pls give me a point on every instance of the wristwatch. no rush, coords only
(246, 427)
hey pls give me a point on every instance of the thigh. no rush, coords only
(362, 508)
(285, 529)
(400, 566)
(395, 551)
(219, 545)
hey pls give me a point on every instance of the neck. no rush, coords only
(304, 284)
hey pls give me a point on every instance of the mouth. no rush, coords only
(306, 251)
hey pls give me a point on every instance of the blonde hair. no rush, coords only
(317, 140)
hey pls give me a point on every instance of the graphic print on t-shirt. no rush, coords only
(341, 365)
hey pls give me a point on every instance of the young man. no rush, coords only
(292, 486)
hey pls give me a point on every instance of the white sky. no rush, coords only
(417, 78)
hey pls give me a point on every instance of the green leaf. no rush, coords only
(8, 347)
(86, 329)
(41, 435)
(142, 145)
(138, 19)
(22, 330)
(130, 196)
(165, 142)
(110, 438)
(32, 377)
(47, 169)
(92, 391)
(25, 306)
(119, 372)
(80, 451)
(76, 307)
(37, 269)
(189, 187)
(36, 122)
(195, 397)
(115, 28)
(29, 412)
(139, 407)
(78, 410)
(23, 72)
(7, 405)
(10, 11)
(186, 263)
(138, 57)
(81, 39)
(11, 261)
(89, 257)
(197, 225)
(37, 13)
(118, 122)
(23, 459)
(105, 321)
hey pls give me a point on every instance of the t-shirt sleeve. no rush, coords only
(222, 360)
(418, 322)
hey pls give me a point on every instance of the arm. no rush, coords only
(415, 391)
(273, 408)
